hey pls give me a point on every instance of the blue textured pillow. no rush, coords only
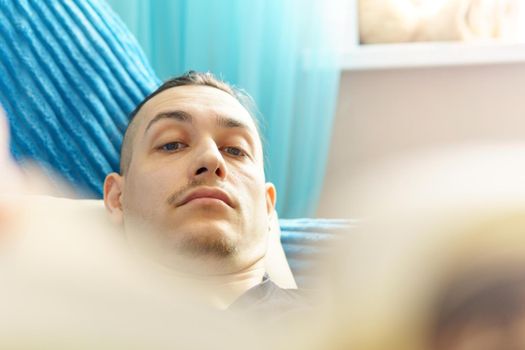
(70, 75)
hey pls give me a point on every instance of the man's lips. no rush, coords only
(209, 192)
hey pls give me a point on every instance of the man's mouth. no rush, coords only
(211, 193)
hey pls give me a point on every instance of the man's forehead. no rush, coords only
(198, 101)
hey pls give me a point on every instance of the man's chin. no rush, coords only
(192, 246)
(212, 245)
(201, 256)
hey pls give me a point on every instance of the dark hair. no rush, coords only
(188, 78)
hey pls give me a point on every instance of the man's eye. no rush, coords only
(172, 146)
(234, 151)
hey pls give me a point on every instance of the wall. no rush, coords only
(384, 113)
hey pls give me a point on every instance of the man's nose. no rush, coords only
(209, 162)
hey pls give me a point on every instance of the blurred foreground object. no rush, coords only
(394, 21)
(15, 181)
(439, 262)
(10, 176)
(69, 282)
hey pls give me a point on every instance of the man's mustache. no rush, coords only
(177, 196)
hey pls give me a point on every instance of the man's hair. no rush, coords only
(188, 78)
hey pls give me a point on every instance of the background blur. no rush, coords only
(398, 98)
(340, 84)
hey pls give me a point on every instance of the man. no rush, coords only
(192, 191)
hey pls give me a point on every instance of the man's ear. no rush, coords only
(271, 197)
(113, 197)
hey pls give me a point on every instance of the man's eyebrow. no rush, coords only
(180, 116)
(228, 122)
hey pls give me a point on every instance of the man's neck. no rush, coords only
(222, 291)
(215, 290)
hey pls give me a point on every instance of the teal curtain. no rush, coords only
(280, 51)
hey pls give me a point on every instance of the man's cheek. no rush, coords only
(139, 195)
(143, 183)
(250, 177)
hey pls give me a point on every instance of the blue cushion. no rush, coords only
(70, 75)
(303, 241)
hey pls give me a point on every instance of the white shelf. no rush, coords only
(431, 54)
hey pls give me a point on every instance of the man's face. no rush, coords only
(196, 182)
